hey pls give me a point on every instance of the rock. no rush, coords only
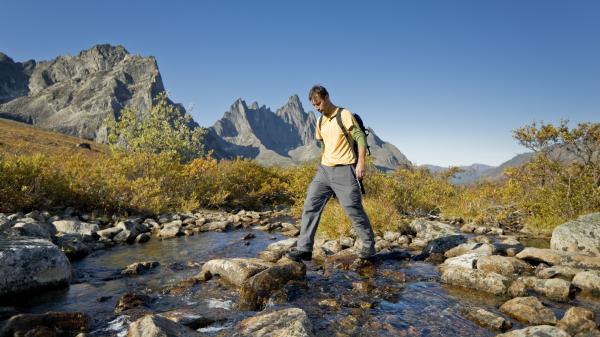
(480, 239)
(563, 272)
(109, 233)
(256, 290)
(332, 247)
(270, 256)
(588, 281)
(51, 323)
(503, 265)
(282, 246)
(430, 230)
(469, 227)
(464, 261)
(578, 236)
(391, 236)
(188, 318)
(480, 280)
(555, 289)
(290, 322)
(142, 238)
(528, 310)
(35, 229)
(577, 320)
(443, 244)
(536, 331)
(157, 326)
(472, 247)
(75, 227)
(30, 264)
(537, 255)
(171, 230)
(346, 242)
(487, 319)
(217, 226)
(129, 231)
(139, 268)
(72, 245)
(236, 270)
(129, 301)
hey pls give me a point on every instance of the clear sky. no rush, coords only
(444, 81)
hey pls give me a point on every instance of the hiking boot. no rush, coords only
(298, 255)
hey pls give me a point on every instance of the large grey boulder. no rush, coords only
(578, 236)
(503, 265)
(30, 264)
(75, 227)
(471, 247)
(555, 288)
(236, 270)
(468, 260)
(536, 331)
(290, 322)
(528, 310)
(554, 257)
(480, 280)
(588, 281)
(158, 326)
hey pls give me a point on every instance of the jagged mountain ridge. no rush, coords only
(283, 137)
(75, 94)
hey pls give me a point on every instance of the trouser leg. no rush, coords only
(347, 190)
(318, 193)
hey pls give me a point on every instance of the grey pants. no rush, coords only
(340, 180)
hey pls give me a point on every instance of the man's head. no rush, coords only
(319, 98)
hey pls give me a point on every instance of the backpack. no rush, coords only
(361, 125)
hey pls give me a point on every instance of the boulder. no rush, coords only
(47, 324)
(536, 331)
(236, 270)
(577, 320)
(563, 272)
(588, 281)
(217, 226)
(256, 291)
(391, 236)
(158, 326)
(139, 268)
(282, 246)
(109, 233)
(487, 319)
(289, 322)
(578, 236)
(75, 227)
(468, 260)
(503, 265)
(555, 288)
(480, 280)
(129, 231)
(537, 255)
(35, 229)
(528, 310)
(429, 230)
(29, 264)
(443, 244)
(471, 247)
(72, 245)
(171, 230)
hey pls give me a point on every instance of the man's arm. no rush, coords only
(361, 140)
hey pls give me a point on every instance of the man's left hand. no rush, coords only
(360, 170)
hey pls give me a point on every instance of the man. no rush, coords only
(339, 172)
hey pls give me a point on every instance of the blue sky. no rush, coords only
(444, 81)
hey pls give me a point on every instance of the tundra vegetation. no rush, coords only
(157, 164)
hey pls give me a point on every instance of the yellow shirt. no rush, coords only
(337, 149)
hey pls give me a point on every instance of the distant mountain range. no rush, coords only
(74, 95)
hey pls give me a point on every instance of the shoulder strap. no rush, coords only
(338, 118)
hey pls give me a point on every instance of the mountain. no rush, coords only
(469, 174)
(74, 94)
(283, 137)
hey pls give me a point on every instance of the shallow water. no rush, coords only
(405, 298)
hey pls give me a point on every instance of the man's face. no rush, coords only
(318, 103)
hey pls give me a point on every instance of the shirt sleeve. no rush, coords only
(347, 119)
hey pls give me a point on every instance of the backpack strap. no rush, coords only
(338, 118)
(321, 130)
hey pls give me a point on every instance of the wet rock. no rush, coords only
(128, 233)
(30, 264)
(555, 289)
(528, 310)
(329, 303)
(188, 318)
(480, 239)
(75, 227)
(563, 272)
(577, 320)
(171, 230)
(471, 247)
(443, 244)
(282, 246)
(271, 256)
(537, 255)
(236, 270)
(468, 260)
(48, 324)
(518, 288)
(503, 265)
(142, 238)
(256, 290)
(157, 326)
(487, 319)
(536, 331)
(139, 268)
(332, 247)
(249, 236)
(290, 322)
(480, 280)
(130, 301)
(430, 230)
(579, 236)
(291, 291)
(588, 281)
(72, 245)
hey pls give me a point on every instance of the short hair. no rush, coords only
(317, 90)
